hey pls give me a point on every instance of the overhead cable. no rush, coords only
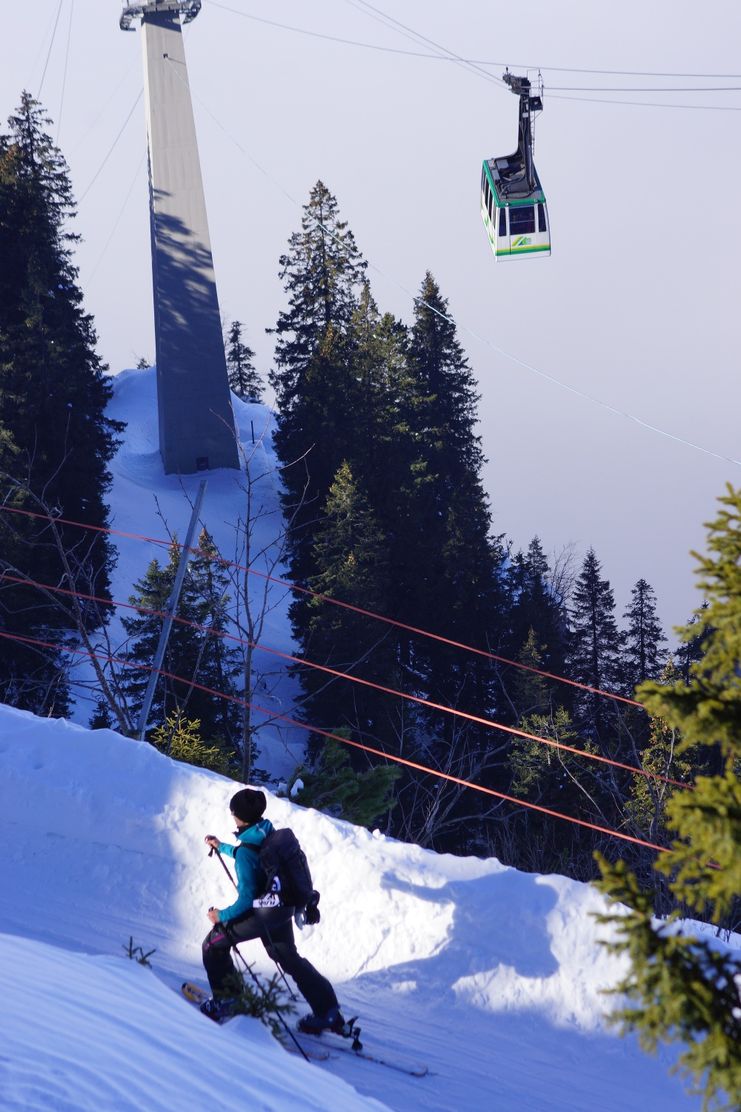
(48, 53)
(395, 623)
(305, 662)
(473, 61)
(274, 715)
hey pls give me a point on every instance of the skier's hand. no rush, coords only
(213, 841)
(213, 915)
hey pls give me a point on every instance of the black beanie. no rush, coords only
(248, 805)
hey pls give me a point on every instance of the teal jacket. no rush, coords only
(250, 877)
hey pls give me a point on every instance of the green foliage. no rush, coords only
(648, 798)
(333, 785)
(196, 653)
(265, 1000)
(180, 738)
(537, 767)
(681, 987)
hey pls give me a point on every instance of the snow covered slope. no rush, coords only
(490, 976)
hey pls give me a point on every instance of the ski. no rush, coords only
(413, 1069)
(195, 995)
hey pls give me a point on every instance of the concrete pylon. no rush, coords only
(196, 423)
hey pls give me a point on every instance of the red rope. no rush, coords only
(488, 722)
(346, 741)
(338, 602)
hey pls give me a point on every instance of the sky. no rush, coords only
(490, 977)
(634, 314)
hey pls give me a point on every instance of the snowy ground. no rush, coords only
(146, 502)
(491, 977)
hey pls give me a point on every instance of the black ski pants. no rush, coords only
(274, 927)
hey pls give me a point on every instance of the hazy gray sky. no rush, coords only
(638, 306)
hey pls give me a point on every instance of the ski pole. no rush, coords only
(255, 978)
(225, 867)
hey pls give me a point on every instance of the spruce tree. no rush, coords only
(594, 655)
(350, 552)
(681, 987)
(53, 394)
(244, 380)
(196, 655)
(313, 381)
(535, 612)
(643, 652)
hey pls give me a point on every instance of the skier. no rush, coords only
(242, 921)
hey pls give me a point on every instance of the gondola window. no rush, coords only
(522, 220)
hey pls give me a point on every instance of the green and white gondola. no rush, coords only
(513, 204)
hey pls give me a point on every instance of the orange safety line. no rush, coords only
(355, 679)
(338, 602)
(345, 741)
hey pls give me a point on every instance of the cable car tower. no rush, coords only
(196, 423)
(513, 205)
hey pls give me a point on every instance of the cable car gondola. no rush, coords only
(513, 205)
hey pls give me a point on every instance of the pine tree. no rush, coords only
(244, 380)
(681, 987)
(53, 394)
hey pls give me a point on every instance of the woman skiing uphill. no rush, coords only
(242, 921)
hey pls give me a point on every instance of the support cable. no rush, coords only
(107, 658)
(291, 586)
(463, 328)
(48, 54)
(66, 63)
(169, 617)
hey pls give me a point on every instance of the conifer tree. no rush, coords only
(643, 652)
(53, 394)
(594, 644)
(195, 653)
(331, 784)
(244, 380)
(535, 611)
(350, 552)
(313, 381)
(681, 987)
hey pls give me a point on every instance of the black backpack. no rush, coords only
(287, 876)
